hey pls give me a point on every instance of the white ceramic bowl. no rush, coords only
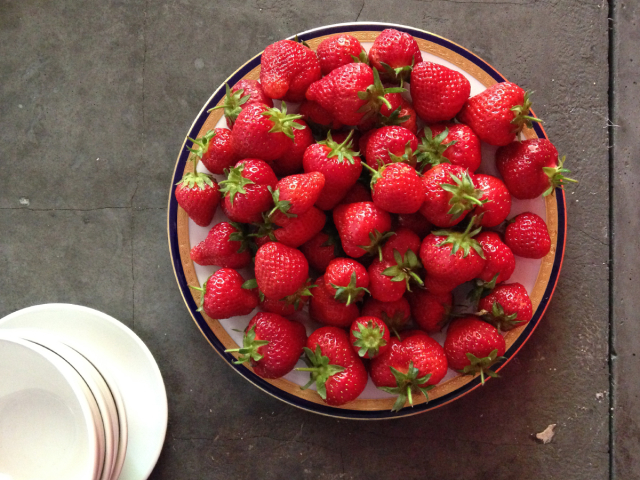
(50, 424)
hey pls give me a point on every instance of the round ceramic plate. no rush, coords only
(538, 276)
(110, 346)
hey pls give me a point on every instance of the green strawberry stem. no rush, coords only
(375, 245)
(405, 269)
(399, 74)
(280, 205)
(350, 293)
(522, 116)
(375, 97)
(250, 347)
(431, 149)
(240, 235)
(407, 384)
(362, 58)
(407, 157)
(482, 289)
(281, 121)
(265, 228)
(482, 365)
(202, 291)
(199, 148)
(393, 119)
(369, 338)
(232, 104)
(498, 318)
(464, 194)
(341, 150)
(200, 145)
(320, 370)
(461, 240)
(234, 183)
(556, 176)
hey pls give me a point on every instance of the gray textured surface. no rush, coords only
(123, 81)
(626, 222)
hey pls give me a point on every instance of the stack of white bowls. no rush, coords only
(61, 413)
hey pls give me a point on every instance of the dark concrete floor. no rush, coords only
(95, 100)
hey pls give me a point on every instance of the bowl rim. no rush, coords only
(175, 247)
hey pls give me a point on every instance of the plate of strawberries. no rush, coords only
(367, 220)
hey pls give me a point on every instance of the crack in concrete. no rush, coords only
(360, 12)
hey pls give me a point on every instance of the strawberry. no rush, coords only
(198, 195)
(246, 190)
(295, 231)
(340, 166)
(391, 144)
(496, 201)
(451, 194)
(317, 117)
(414, 222)
(453, 257)
(214, 150)
(263, 132)
(430, 310)
(389, 279)
(320, 250)
(287, 68)
(454, 143)
(438, 285)
(397, 188)
(531, 168)
(296, 194)
(361, 227)
(335, 368)
(272, 344)
(363, 143)
(473, 346)
(342, 135)
(393, 53)
(438, 93)
(395, 314)
(500, 259)
(346, 280)
(527, 236)
(507, 306)
(498, 114)
(291, 161)
(388, 110)
(225, 246)
(225, 294)
(280, 270)
(287, 305)
(243, 93)
(339, 50)
(358, 193)
(411, 365)
(324, 308)
(369, 337)
(402, 240)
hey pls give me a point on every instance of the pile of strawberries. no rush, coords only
(366, 207)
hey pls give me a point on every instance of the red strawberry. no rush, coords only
(296, 194)
(429, 310)
(287, 68)
(243, 93)
(298, 230)
(225, 294)
(414, 222)
(500, 260)
(197, 193)
(272, 343)
(369, 337)
(403, 240)
(438, 93)
(473, 346)
(498, 114)
(320, 250)
(439, 285)
(409, 366)
(346, 280)
(393, 53)
(450, 142)
(336, 369)
(342, 135)
(358, 193)
(395, 314)
(317, 117)
(291, 161)
(451, 194)
(263, 132)
(340, 166)
(363, 143)
(215, 150)
(531, 168)
(527, 236)
(246, 190)
(391, 144)
(507, 306)
(397, 188)
(225, 246)
(498, 201)
(280, 270)
(324, 308)
(453, 257)
(288, 305)
(361, 227)
(339, 50)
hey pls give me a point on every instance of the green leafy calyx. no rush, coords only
(250, 347)
(374, 95)
(320, 370)
(461, 240)
(431, 149)
(464, 195)
(522, 116)
(234, 183)
(343, 150)
(350, 293)
(482, 365)
(406, 269)
(281, 121)
(556, 176)
(232, 104)
(499, 319)
(369, 338)
(407, 384)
